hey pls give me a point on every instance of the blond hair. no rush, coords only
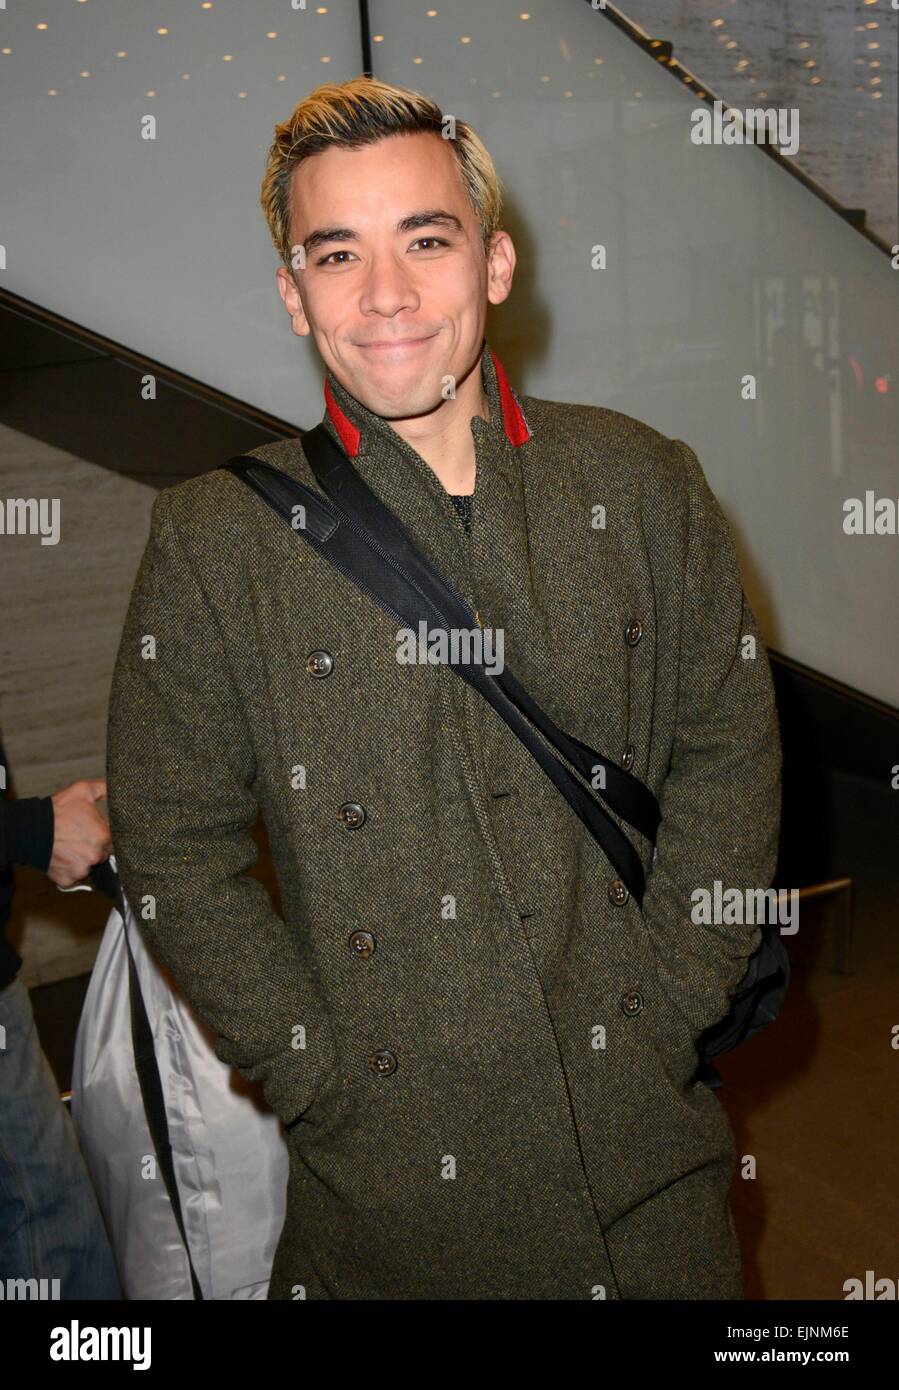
(360, 112)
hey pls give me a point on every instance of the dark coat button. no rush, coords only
(351, 813)
(631, 1002)
(618, 893)
(319, 664)
(633, 632)
(382, 1062)
(627, 761)
(362, 943)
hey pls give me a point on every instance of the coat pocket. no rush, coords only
(331, 1103)
(669, 1032)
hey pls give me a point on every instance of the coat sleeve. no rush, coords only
(180, 774)
(720, 801)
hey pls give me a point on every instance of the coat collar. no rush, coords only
(494, 560)
(348, 418)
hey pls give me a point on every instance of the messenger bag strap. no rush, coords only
(381, 559)
(626, 795)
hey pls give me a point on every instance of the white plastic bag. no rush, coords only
(228, 1149)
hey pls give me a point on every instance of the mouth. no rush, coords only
(403, 345)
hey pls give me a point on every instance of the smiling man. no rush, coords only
(397, 304)
(481, 1045)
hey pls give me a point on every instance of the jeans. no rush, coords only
(50, 1222)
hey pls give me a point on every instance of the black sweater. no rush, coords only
(26, 837)
(462, 503)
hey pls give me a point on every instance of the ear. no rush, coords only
(500, 267)
(293, 303)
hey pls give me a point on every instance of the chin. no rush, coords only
(401, 399)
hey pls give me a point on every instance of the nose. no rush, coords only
(388, 288)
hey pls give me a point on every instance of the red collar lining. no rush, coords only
(517, 431)
(349, 434)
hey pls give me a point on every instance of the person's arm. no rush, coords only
(720, 802)
(180, 773)
(63, 834)
(26, 831)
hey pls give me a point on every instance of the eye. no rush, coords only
(438, 240)
(324, 260)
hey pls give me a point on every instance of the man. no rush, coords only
(481, 1047)
(50, 1224)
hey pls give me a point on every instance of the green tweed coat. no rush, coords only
(482, 1050)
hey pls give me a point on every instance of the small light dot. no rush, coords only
(52, 92)
(326, 60)
(430, 13)
(227, 57)
(525, 15)
(151, 93)
(185, 77)
(241, 95)
(418, 60)
(40, 26)
(271, 34)
(84, 74)
(162, 31)
(465, 39)
(122, 53)
(378, 38)
(7, 50)
(282, 77)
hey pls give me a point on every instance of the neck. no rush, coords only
(443, 438)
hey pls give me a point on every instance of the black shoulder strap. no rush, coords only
(366, 542)
(626, 795)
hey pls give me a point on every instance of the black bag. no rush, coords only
(365, 541)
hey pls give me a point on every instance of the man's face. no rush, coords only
(394, 309)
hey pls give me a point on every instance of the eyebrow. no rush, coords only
(432, 217)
